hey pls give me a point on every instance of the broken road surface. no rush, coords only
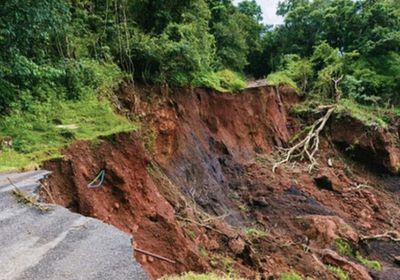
(58, 244)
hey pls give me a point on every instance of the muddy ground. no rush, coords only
(195, 185)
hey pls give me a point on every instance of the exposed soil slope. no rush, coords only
(196, 185)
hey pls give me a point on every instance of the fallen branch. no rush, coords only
(391, 235)
(154, 255)
(26, 199)
(309, 146)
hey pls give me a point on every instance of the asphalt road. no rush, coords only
(58, 244)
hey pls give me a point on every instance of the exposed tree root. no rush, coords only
(309, 146)
(389, 235)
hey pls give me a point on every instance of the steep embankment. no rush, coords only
(196, 186)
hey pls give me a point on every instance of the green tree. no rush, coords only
(339, 29)
(252, 9)
(187, 48)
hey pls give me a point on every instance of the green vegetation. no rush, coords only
(369, 115)
(62, 59)
(340, 274)
(290, 276)
(203, 252)
(255, 233)
(344, 248)
(40, 133)
(369, 263)
(355, 43)
(222, 262)
(281, 78)
(209, 276)
(224, 81)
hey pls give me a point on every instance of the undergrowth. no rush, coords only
(368, 115)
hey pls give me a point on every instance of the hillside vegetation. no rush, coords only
(61, 60)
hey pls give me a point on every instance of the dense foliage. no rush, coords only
(356, 42)
(63, 56)
(54, 47)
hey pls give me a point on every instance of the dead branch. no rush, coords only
(391, 235)
(309, 146)
(26, 199)
(338, 93)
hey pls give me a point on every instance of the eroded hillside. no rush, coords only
(196, 186)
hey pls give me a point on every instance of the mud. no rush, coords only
(195, 185)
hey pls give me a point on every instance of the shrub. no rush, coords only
(281, 78)
(224, 81)
(231, 81)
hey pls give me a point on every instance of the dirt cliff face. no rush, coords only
(195, 185)
(377, 146)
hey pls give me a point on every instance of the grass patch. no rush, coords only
(369, 263)
(40, 133)
(291, 276)
(208, 276)
(340, 273)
